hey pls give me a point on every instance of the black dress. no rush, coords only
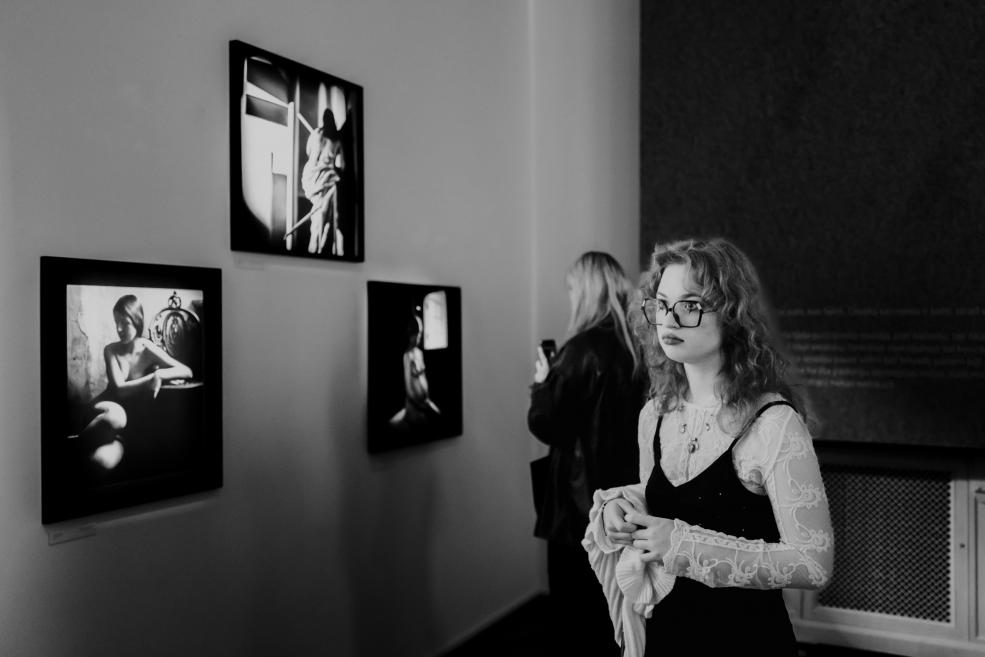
(726, 620)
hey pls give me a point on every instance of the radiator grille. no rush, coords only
(892, 528)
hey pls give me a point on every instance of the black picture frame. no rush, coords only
(291, 171)
(403, 410)
(167, 445)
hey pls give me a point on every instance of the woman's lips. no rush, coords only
(671, 339)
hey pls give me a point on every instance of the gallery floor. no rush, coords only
(521, 634)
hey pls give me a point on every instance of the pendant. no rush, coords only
(692, 445)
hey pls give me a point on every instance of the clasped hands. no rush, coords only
(624, 525)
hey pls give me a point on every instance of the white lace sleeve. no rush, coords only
(792, 480)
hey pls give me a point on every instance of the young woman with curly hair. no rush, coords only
(730, 508)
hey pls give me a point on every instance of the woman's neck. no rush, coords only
(702, 383)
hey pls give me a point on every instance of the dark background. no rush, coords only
(390, 305)
(840, 144)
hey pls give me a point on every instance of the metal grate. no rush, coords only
(892, 528)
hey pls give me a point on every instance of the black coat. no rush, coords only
(587, 410)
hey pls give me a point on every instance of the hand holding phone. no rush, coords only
(546, 350)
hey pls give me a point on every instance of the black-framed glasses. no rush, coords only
(687, 312)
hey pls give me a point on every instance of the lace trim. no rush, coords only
(754, 564)
(781, 453)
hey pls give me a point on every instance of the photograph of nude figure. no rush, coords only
(129, 410)
(296, 158)
(415, 364)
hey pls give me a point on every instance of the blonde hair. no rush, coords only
(600, 290)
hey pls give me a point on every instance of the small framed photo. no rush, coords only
(415, 364)
(131, 384)
(296, 165)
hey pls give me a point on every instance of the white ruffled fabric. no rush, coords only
(632, 586)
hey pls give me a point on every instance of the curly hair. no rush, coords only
(752, 364)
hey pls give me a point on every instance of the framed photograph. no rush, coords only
(296, 167)
(415, 364)
(131, 389)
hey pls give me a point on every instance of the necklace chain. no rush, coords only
(692, 444)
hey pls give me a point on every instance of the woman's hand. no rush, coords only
(653, 535)
(541, 366)
(614, 521)
(155, 384)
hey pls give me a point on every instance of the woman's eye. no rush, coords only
(691, 306)
(662, 306)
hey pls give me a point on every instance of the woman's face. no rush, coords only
(125, 328)
(699, 345)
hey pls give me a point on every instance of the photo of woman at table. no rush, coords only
(136, 370)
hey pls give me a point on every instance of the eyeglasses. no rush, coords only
(687, 312)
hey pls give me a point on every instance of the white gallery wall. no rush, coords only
(501, 140)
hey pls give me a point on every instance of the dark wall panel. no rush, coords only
(841, 145)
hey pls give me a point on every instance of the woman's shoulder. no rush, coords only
(600, 339)
(149, 349)
(773, 404)
(118, 349)
(578, 346)
(776, 419)
(146, 343)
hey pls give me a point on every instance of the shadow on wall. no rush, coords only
(389, 552)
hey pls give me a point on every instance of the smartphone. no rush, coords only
(549, 347)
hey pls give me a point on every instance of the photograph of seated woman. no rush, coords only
(136, 368)
(418, 408)
(584, 406)
(730, 507)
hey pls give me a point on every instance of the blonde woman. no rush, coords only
(584, 405)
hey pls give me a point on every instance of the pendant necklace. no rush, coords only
(692, 444)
